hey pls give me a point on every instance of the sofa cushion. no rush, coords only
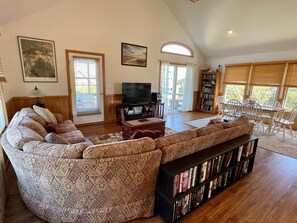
(73, 137)
(44, 113)
(124, 148)
(18, 135)
(208, 129)
(26, 111)
(55, 138)
(174, 138)
(30, 123)
(11, 123)
(59, 118)
(238, 121)
(73, 151)
(36, 118)
(66, 126)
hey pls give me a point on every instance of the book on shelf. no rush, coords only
(194, 181)
(176, 184)
(185, 180)
(239, 153)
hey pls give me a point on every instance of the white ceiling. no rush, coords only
(11, 10)
(260, 25)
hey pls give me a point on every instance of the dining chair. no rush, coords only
(287, 119)
(234, 109)
(272, 104)
(254, 112)
(251, 101)
(221, 109)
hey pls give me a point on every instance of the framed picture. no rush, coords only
(38, 59)
(134, 55)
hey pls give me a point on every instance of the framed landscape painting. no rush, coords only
(38, 59)
(134, 55)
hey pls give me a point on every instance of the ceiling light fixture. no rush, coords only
(194, 1)
(230, 31)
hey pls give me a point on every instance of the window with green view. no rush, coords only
(234, 91)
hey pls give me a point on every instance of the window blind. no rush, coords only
(236, 74)
(291, 78)
(267, 74)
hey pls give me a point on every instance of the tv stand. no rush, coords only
(125, 112)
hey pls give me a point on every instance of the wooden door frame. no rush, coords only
(67, 52)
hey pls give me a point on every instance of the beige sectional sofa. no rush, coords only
(77, 182)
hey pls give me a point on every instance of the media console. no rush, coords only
(125, 112)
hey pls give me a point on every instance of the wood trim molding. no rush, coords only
(67, 52)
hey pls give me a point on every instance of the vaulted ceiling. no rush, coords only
(259, 25)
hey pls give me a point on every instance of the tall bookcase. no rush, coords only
(209, 91)
(186, 183)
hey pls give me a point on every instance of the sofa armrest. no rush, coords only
(59, 117)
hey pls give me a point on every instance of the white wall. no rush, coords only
(97, 26)
(262, 57)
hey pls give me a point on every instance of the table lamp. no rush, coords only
(37, 94)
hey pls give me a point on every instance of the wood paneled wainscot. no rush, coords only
(56, 104)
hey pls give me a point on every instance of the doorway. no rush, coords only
(176, 82)
(86, 86)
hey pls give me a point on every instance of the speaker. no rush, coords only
(156, 97)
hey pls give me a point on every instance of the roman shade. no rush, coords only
(267, 74)
(291, 78)
(237, 74)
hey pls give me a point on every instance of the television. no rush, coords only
(136, 93)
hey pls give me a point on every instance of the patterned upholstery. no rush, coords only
(236, 122)
(73, 136)
(175, 138)
(19, 135)
(115, 189)
(206, 130)
(66, 126)
(59, 118)
(184, 148)
(31, 124)
(74, 151)
(55, 138)
(124, 148)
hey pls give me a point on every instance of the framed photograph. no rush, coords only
(134, 55)
(38, 59)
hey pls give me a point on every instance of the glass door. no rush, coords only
(172, 87)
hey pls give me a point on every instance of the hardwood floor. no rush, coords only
(268, 194)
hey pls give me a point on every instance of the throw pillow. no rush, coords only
(45, 114)
(30, 123)
(55, 139)
(51, 128)
(17, 136)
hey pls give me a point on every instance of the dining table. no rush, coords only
(269, 112)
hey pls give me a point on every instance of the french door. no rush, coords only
(173, 83)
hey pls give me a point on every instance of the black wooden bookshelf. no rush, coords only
(227, 163)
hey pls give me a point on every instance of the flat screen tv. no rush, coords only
(136, 93)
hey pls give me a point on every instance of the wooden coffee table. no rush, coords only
(129, 127)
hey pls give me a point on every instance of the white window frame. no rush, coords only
(166, 49)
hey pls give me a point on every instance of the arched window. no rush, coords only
(177, 48)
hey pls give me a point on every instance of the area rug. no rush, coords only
(117, 137)
(275, 143)
(201, 122)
